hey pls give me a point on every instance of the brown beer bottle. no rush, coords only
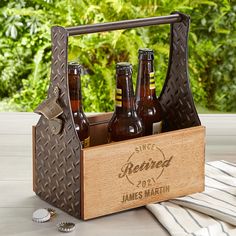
(148, 106)
(81, 121)
(125, 123)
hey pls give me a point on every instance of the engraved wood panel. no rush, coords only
(136, 172)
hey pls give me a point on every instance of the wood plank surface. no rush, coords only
(17, 200)
(136, 172)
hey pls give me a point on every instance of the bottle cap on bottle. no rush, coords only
(74, 68)
(123, 68)
(145, 54)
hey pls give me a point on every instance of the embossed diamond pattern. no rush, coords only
(57, 156)
(176, 98)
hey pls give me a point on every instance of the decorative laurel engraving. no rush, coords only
(147, 160)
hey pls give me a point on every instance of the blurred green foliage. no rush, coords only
(25, 46)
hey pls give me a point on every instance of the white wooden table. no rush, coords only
(18, 201)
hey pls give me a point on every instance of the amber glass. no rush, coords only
(148, 106)
(125, 123)
(80, 119)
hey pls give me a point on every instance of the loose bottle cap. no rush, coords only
(123, 68)
(66, 227)
(51, 211)
(41, 216)
(145, 54)
(74, 68)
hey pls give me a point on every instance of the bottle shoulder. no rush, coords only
(82, 126)
(79, 113)
(122, 128)
(125, 118)
(80, 118)
(148, 103)
(150, 109)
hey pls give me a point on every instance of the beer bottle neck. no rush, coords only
(75, 93)
(125, 101)
(145, 87)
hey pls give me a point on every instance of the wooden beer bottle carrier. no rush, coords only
(107, 178)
